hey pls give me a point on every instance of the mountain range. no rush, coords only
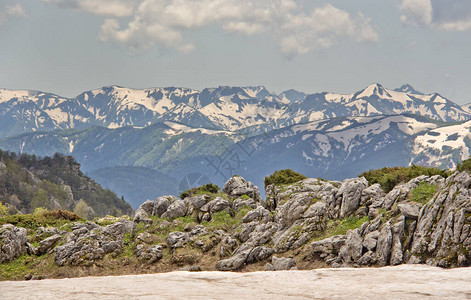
(149, 142)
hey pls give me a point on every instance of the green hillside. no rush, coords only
(28, 182)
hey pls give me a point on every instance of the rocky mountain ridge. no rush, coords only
(224, 108)
(307, 224)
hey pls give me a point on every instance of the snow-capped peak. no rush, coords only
(7, 95)
(407, 88)
(373, 89)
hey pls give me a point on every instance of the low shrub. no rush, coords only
(204, 189)
(465, 165)
(3, 210)
(54, 218)
(388, 178)
(286, 176)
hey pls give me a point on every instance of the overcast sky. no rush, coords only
(70, 46)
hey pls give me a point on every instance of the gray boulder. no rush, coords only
(238, 203)
(294, 209)
(217, 205)
(383, 247)
(282, 263)
(161, 205)
(196, 202)
(259, 214)
(410, 210)
(352, 250)
(233, 263)
(177, 209)
(48, 243)
(150, 254)
(351, 191)
(198, 230)
(331, 245)
(13, 242)
(118, 229)
(177, 239)
(238, 186)
(259, 254)
(143, 212)
(370, 240)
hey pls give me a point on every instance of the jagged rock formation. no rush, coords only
(348, 223)
(89, 242)
(13, 242)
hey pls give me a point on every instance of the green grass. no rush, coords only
(340, 227)
(283, 177)
(223, 220)
(388, 178)
(33, 221)
(19, 267)
(465, 165)
(423, 193)
(204, 189)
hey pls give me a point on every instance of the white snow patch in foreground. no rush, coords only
(399, 282)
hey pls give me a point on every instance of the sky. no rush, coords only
(70, 46)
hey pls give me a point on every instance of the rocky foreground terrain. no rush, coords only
(305, 225)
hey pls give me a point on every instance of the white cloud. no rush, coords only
(302, 33)
(171, 23)
(114, 8)
(10, 11)
(416, 11)
(450, 15)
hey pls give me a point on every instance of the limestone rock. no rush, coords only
(292, 210)
(196, 202)
(177, 209)
(259, 214)
(331, 245)
(259, 254)
(370, 240)
(239, 203)
(384, 245)
(410, 210)
(233, 263)
(352, 250)
(48, 243)
(282, 263)
(12, 242)
(89, 242)
(142, 213)
(150, 254)
(351, 191)
(161, 205)
(238, 186)
(177, 239)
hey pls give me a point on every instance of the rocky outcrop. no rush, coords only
(89, 242)
(282, 263)
(13, 242)
(47, 244)
(238, 186)
(150, 254)
(348, 223)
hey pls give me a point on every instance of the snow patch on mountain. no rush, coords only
(7, 95)
(443, 146)
(177, 128)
